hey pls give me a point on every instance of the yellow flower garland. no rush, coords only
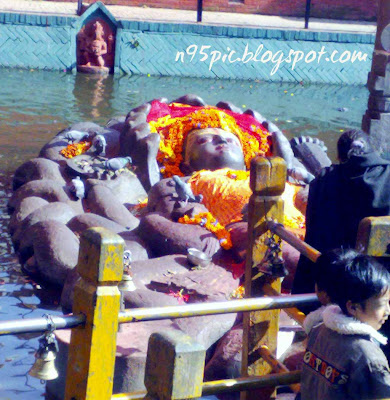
(238, 293)
(238, 175)
(207, 220)
(173, 132)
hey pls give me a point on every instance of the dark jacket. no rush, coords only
(343, 360)
(339, 198)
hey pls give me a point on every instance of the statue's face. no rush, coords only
(213, 148)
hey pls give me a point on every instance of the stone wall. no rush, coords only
(167, 49)
(35, 41)
(190, 50)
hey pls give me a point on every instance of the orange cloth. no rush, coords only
(225, 192)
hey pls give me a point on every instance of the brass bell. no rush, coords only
(44, 367)
(273, 263)
(274, 267)
(126, 284)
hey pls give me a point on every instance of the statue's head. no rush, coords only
(195, 138)
(98, 27)
(212, 148)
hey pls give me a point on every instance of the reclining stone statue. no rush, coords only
(190, 162)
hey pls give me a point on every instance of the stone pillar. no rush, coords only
(174, 367)
(376, 120)
(373, 237)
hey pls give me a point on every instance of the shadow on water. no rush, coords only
(36, 105)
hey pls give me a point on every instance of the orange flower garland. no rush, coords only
(75, 149)
(173, 132)
(207, 220)
(137, 209)
(238, 293)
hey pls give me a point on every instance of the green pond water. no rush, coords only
(35, 105)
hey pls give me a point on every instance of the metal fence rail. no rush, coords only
(157, 313)
(231, 385)
(223, 307)
(31, 325)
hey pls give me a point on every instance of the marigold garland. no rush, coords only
(294, 222)
(238, 175)
(75, 149)
(207, 220)
(137, 209)
(143, 203)
(238, 293)
(173, 132)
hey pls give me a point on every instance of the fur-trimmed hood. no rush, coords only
(334, 319)
(313, 319)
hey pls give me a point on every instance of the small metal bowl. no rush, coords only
(197, 257)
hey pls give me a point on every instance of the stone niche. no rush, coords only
(95, 45)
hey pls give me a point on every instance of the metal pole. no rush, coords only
(310, 252)
(39, 324)
(223, 307)
(250, 383)
(149, 314)
(293, 313)
(79, 6)
(307, 13)
(276, 365)
(200, 10)
(231, 385)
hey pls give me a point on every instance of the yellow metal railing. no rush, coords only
(224, 307)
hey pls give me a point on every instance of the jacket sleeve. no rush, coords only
(370, 379)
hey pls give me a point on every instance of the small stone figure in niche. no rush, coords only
(95, 47)
(98, 46)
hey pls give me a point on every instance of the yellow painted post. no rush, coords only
(267, 180)
(174, 366)
(277, 366)
(373, 236)
(91, 359)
